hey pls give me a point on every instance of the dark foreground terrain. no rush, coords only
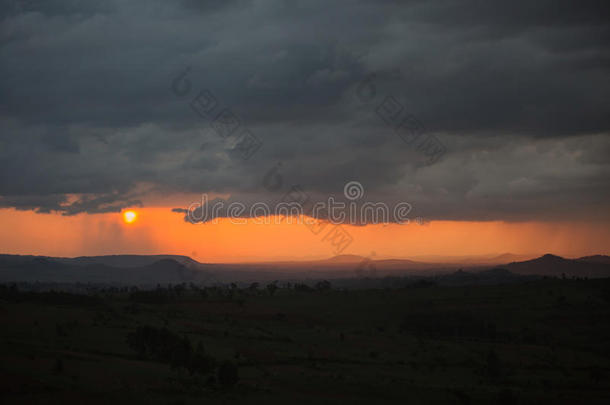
(540, 341)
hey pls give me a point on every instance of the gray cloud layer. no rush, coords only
(517, 92)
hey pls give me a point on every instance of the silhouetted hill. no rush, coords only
(472, 260)
(127, 260)
(93, 270)
(508, 257)
(344, 259)
(551, 265)
(595, 259)
(341, 265)
(163, 269)
(486, 277)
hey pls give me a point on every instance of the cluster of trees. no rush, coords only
(162, 345)
(320, 286)
(12, 293)
(162, 295)
(165, 346)
(271, 288)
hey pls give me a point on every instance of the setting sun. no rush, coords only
(130, 216)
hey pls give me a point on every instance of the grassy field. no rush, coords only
(544, 341)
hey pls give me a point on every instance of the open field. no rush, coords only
(542, 341)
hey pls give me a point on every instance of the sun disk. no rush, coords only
(129, 216)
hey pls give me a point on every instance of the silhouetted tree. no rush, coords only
(323, 285)
(272, 287)
(253, 287)
(302, 287)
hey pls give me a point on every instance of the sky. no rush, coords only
(489, 120)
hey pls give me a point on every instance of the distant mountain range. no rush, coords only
(551, 265)
(474, 260)
(101, 269)
(163, 269)
(127, 260)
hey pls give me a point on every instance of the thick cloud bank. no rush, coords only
(465, 110)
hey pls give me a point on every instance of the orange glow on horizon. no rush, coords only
(165, 232)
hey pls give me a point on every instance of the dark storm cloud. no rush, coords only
(516, 91)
